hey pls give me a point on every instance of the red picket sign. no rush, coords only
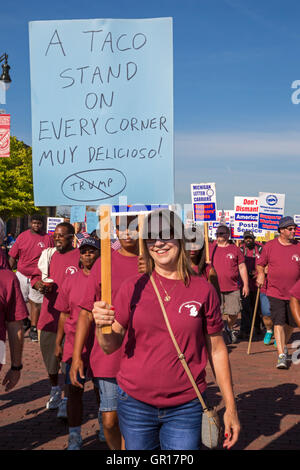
(4, 135)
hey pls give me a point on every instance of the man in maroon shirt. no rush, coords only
(251, 251)
(282, 255)
(64, 262)
(26, 252)
(229, 263)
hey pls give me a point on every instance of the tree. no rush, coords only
(16, 185)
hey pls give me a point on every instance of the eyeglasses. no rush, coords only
(290, 229)
(59, 235)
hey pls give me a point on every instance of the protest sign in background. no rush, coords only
(297, 221)
(246, 216)
(271, 209)
(52, 222)
(204, 201)
(77, 214)
(4, 135)
(224, 215)
(102, 111)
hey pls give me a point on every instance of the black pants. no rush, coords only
(248, 305)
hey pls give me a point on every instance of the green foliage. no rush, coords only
(16, 186)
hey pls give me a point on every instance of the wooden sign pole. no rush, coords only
(141, 218)
(76, 228)
(105, 234)
(206, 242)
(253, 319)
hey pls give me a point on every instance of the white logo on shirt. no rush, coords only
(192, 308)
(296, 258)
(41, 244)
(230, 255)
(71, 270)
(257, 255)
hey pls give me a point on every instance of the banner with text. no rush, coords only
(52, 222)
(297, 221)
(4, 135)
(102, 111)
(271, 209)
(204, 201)
(246, 216)
(226, 216)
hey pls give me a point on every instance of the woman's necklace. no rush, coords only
(167, 297)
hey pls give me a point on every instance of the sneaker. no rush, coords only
(75, 441)
(227, 337)
(62, 409)
(234, 336)
(282, 362)
(268, 337)
(26, 324)
(55, 399)
(33, 334)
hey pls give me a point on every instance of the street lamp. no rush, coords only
(5, 79)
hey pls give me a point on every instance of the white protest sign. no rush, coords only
(204, 201)
(246, 216)
(102, 111)
(271, 209)
(52, 222)
(227, 217)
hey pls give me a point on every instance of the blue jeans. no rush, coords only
(107, 392)
(265, 305)
(145, 427)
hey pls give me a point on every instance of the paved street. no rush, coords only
(268, 403)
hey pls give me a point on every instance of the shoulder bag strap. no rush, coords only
(180, 355)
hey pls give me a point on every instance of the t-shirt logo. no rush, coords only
(296, 258)
(71, 270)
(230, 256)
(41, 244)
(191, 308)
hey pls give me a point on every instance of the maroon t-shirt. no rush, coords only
(295, 290)
(283, 267)
(122, 267)
(252, 255)
(61, 266)
(68, 301)
(226, 261)
(150, 370)
(28, 248)
(12, 305)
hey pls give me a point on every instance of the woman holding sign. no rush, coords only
(157, 404)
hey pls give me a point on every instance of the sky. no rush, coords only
(235, 122)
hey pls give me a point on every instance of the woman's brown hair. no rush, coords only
(166, 224)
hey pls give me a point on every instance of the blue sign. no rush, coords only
(77, 214)
(102, 111)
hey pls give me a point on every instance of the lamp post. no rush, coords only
(5, 79)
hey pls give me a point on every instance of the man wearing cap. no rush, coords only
(229, 263)
(282, 256)
(251, 251)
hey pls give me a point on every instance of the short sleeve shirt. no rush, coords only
(122, 267)
(61, 266)
(283, 267)
(150, 370)
(12, 305)
(28, 248)
(226, 261)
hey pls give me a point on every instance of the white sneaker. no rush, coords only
(55, 398)
(62, 409)
(75, 441)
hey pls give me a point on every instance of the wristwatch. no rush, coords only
(17, 367)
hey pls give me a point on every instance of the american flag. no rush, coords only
(115, 244)
(81, 236)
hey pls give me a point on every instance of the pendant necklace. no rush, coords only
(167, 297)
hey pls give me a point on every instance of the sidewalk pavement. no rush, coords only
(268, 403)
